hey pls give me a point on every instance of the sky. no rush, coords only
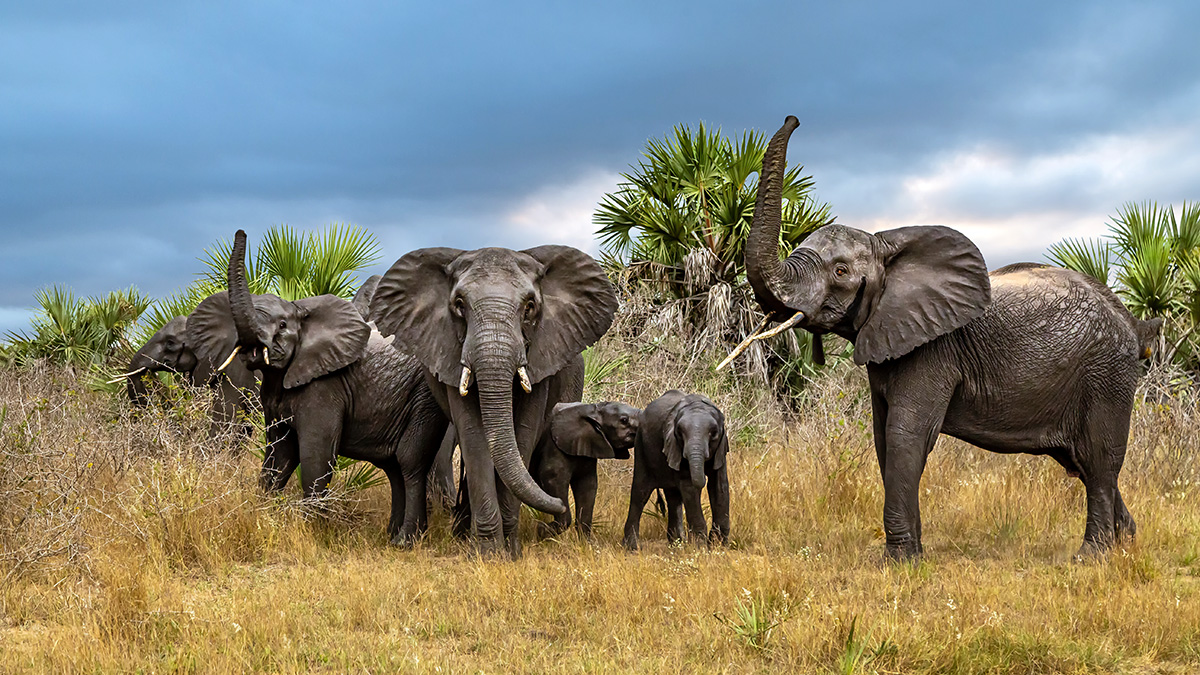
(134, 134)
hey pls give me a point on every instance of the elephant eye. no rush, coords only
(624, 419)
(283, 323)
(530, 309)
(457, 305)
(841, 270)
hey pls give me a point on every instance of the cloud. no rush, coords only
(561, 213)
(1014, 205)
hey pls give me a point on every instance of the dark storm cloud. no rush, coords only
(134, 134)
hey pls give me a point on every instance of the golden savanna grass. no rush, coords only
(128, 543)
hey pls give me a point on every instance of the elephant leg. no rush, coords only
(443, 471)
(416, 453)
(1126, 528)
(1100, 456)
(554, 475)
(396, 481)
(879, 414)
(530, 412)
(718, 502)
(639, 494)
(510, 518)
(318, 440)
(692, 508)
(462, 506)
(280, 458)
(674, 499)
(583, 486)
(911, 432)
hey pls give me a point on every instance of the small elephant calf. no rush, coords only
(579, 434)
(681, 446)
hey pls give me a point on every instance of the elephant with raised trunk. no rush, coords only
(1030, 359)
(330, 386)
(169, 350)
(499, 334)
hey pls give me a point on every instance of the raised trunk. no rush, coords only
(764, 270)
(696, 465)
(495, 383)
(240, 302)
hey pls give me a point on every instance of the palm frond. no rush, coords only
(1092, 257)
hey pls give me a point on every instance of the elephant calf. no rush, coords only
(578, 435)
(680, 446)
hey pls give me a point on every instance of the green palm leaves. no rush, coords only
(75, 331)
(696, 190)
(1151, 258)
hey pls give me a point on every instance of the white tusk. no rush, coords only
(230, 359)
(125, 375)
(464, 383)
(525, 384)
(760, 335)
(266, 356)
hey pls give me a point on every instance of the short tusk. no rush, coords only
(229, 360)
(266, 356)
(125, 375)
(525, 383)
(464, 383)
(760, 335)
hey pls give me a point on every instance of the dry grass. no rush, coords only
(132, 544)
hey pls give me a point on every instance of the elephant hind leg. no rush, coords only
(1100, 456)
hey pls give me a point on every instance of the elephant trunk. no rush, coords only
(240, 302)
(496, 404)
(135, 385)
(764, 270)
(696, 464)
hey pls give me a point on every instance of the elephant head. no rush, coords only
(888, 292)
(296, 341)
(604, 430)
(166, 350)
(695, 432)
(495, 315)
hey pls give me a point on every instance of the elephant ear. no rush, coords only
(722, 449)
(578, 305)
(412, 302)
(934, 282)
(333, 336)
(575, 430)
(364, 295)
(671, 446)
(211, 335)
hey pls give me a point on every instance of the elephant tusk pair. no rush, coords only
(464, 383)
(525, 383)
(759, 334)
(125, 375)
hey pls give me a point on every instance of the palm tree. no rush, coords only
(74, 331)
(675, 230)
(1151, 259)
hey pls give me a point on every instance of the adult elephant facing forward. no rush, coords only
(1035, 359)
(514, 324)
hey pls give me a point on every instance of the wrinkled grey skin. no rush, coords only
(332, 387)
(168, 350)
(494, 311)
(579, 434)
(441, 478)
(1033, 359)
(680, 447)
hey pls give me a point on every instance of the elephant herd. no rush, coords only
(1028, 358)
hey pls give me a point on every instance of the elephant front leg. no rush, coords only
(674, 503)
(584, 485)
(718, 502)
(639, 494)
(556, 481)
(910, 436)
(694, 510)
(280, 458)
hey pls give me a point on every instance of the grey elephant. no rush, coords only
(499, 333)
(441, 477)
(331, 386)
(680, 448)
(577, 436)
(1032, 359)
(168, 350)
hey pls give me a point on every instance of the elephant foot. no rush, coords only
(906, 550)
(1091, 551)
(630, 543)
(404, 542)
(549, 530)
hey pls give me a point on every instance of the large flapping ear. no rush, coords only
(412, 302)
(333, 336)
(575, 430)
(671, 446)
(211, 335)
(935, 281)
(578, 305)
